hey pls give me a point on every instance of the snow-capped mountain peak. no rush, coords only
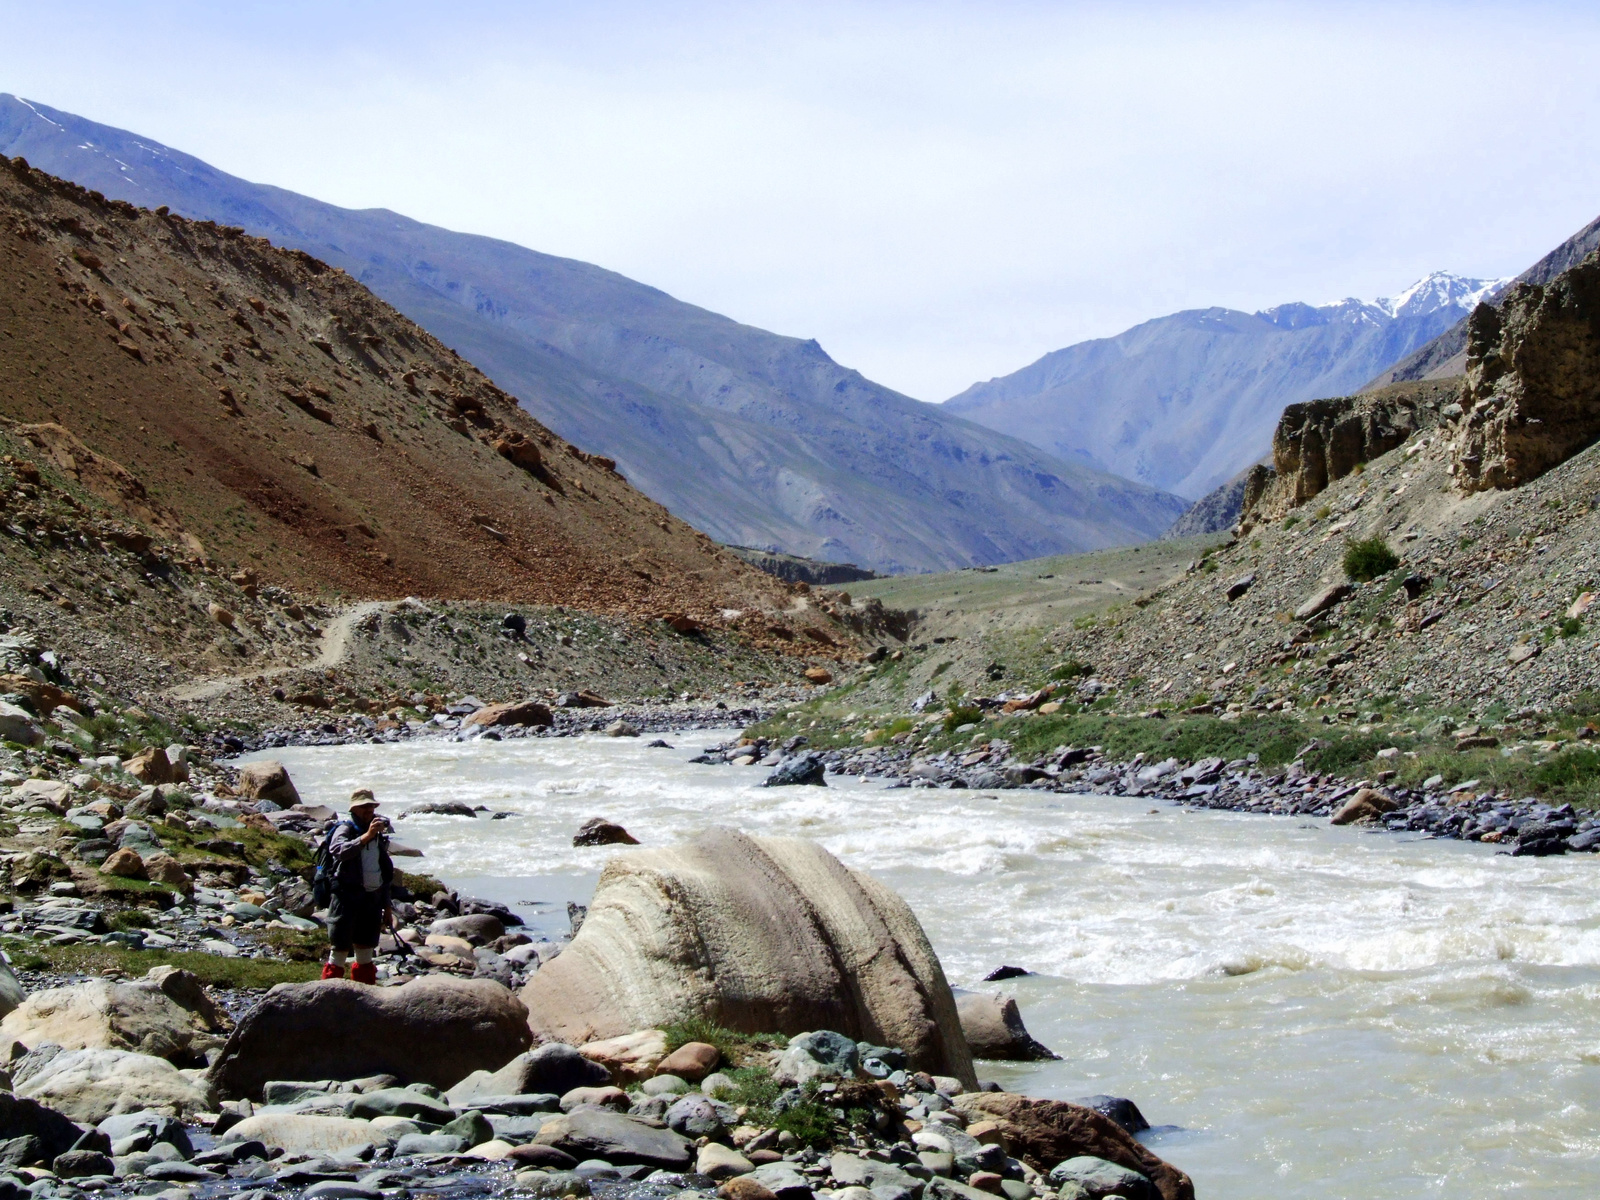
(1440, 290)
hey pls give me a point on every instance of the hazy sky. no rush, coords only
(938, 193)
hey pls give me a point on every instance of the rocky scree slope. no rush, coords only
(1187, 401)
(754, 438)
(255, 405)
(1491, 500)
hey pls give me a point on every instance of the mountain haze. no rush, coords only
(1187, 401)
(754, 438)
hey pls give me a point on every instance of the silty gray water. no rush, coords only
(1323, 1012)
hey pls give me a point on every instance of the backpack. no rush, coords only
(327, 869)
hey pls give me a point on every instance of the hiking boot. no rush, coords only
(364, 972)
(330, 971)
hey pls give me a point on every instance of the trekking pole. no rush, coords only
(401, 946)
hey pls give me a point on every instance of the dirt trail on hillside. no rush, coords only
(332, 651)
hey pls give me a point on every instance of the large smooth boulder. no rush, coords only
(267, 780)
(434, 1030)
(620, 1140)
(315, 1136)
(101, 1015)
(91, 1085)
(755, 934)
(1044, 1133)
(512, 712)
(994, 1029)
(553, 1069)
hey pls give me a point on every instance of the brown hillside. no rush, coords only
(268, 411)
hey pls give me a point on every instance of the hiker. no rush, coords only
(361, 869)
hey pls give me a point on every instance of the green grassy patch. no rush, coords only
(98, 958)
(734, 1046)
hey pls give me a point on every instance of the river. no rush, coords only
(1320, 1012)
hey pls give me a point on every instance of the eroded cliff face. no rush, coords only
(1532, 391)
(1321, 441)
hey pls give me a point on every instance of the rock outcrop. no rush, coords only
(1320, 441)
(1043, 1133)
(756, 934)
(434, 1030)
(994, 1029)
(1532, 396)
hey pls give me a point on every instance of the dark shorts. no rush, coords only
(355, 919)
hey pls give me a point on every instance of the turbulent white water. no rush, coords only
(1324, 1013)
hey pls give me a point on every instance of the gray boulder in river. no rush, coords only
(756, 934)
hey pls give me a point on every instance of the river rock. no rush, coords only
(696, 1116)
(630, 1058)
(745, 1187)
(720, 1162)
(151, 1128)
(621, 728)
(819, 1055)
(799, 770)
(783, 1181)
(429, 1143)
(24, 1118)
(994, 1029)
(477, 928)
(75, 1164)
(101, 1015)
(1043, 1133)
(529, 713)
(400, 1102)
(91, 1085)
(1099, 1179)
(434, 1029)
(620, 1140)
(1366, 805)
(554, 1068)
(756, 934)
(313, 1136)
(608, 1096)
(692, 1061)
(267, 780)
(597, 831)
(853, 1171)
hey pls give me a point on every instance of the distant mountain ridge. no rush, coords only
(1187, 401)
(754, 438)
(1446, 354)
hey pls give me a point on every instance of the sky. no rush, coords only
(937, 192)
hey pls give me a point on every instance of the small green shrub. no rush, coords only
(1570, 627)
(1323, 513)
(961, 715)
(1367, 559)
(1071, 669)
(1291, 521)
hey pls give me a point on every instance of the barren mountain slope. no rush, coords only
(282, 417)
(756, 438)
(1189, 400)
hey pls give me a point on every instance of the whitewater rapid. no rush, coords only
(1321, 1012)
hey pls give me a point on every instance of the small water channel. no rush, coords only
(1322, 1012)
